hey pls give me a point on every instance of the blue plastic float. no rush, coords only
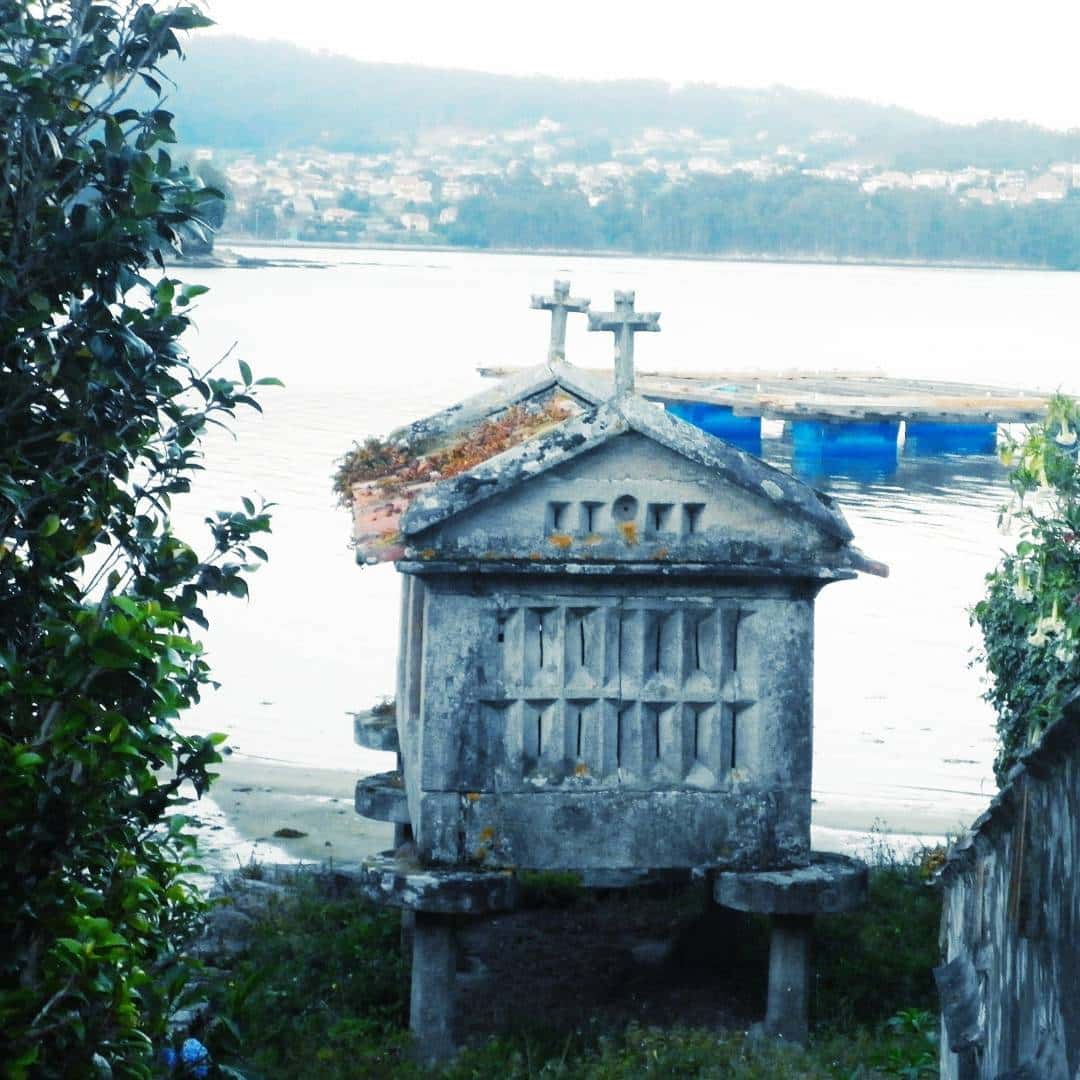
(721, 421)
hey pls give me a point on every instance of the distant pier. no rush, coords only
(834, 396)
(837, 418)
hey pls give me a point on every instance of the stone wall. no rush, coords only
(1010, 987)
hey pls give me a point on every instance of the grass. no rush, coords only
(322, 991)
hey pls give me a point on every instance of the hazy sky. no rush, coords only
(962, 60)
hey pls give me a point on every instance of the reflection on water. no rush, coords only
(901, 731)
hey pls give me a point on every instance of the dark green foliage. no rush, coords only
(869, 963)
(550, 888)
(788, 216)
(321, 991)
(100, 420)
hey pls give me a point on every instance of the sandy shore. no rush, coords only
(257, 798)
(254, 798)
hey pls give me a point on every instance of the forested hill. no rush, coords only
(240, 94)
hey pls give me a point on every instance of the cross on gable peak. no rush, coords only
(624, 322)
(559, 303)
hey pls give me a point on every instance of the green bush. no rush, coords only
(321, 990)
(1030, 618)
(101, 416)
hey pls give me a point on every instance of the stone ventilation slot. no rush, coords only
(541, 640)
(590, 516)
(557, 517)
(622, 734)
(692, 514)
(732, 738)
(661, 647)
(584, 646)
(537, 735)
(650, 734)
(658, 520)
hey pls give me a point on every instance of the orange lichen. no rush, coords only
(394, 468)
(535, 556)
(592, 539)
(428, 553)
(473, 796)
(660, 554)
(581, 769)
(487, 834)
(560, 540)
(629, 532)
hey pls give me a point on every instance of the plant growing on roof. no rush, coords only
(101, 415)
(1030, 616)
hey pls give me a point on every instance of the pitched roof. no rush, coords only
(553, 413)
(596, 427)
(379, 501)
(521, 387)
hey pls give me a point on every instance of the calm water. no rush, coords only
(379, 338)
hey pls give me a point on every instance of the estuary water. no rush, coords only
(366, 340)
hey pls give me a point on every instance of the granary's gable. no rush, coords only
(627, 483)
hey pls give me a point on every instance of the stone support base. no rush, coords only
(788, 1008)
(430, 899)
(829, 884)
(431, 1005)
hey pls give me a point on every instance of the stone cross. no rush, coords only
(559, 303)
(624, 322)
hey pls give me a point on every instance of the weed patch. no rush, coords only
(322, 991)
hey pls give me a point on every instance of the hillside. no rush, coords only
(237, 93)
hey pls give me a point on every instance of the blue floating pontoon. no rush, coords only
(721, 421)
(860, 449)
(924, 438)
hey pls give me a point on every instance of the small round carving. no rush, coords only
(624, 508)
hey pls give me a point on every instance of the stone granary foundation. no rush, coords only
(605, 662)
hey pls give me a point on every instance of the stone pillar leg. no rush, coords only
(408, 925)
(787, 1012)
(431, 1007)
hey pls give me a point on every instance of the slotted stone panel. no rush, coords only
(541, 697)
(614, 691)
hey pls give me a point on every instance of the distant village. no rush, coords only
(414, 192)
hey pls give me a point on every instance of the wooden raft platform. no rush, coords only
(834, 395)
